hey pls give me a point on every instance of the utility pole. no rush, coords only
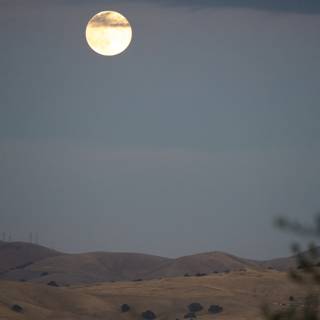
(30, 237)
(37, 238)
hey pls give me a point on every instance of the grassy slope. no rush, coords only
(240, 293)
(104, 266)
(15, 254)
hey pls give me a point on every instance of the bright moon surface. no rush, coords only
(108, 33)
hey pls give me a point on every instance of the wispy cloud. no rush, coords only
(297, 6)
(293, 6)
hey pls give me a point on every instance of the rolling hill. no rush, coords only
(68, 269)
(203, 263)
(17, 255)
(28, 262)
(280, 264)
(96, 267)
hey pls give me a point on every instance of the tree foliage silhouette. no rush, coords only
(307, 274)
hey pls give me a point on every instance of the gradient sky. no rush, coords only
(193, 140)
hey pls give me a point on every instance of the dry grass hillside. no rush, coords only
(97, 267)
(103, 266)
(240, 293)
(281, 264)
(29, 262)
(204, 263)
(17, 255)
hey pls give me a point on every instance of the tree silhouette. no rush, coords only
(307, 273)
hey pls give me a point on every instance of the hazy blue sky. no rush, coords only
(193, 140)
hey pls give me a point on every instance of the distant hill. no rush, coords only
(204, 263)
(29, 262)
(280, 264)
(88, 268)
(97, 267)
(16, 255)
(286, 263)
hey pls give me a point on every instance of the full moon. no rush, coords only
(108, 33)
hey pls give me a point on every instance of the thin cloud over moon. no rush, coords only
(109, 19)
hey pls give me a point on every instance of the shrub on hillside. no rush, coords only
(214, 309)
(22, 266)
(17, 308)
(53, 284)
(125, 308)
(190, 315)
(195, 307)
(148, 315)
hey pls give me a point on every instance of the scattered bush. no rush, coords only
(190, 315)
(22, 266)
(214, 308)
(186, 275)
(125, 308)
(43, 274)
(148, 315)
(291, 298)
(201, 274)
(17, 308)
(195, 307)
(53, 284)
